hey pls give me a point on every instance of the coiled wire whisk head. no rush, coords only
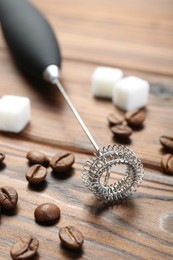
(101, 165)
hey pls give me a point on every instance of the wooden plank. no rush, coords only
(140, 228)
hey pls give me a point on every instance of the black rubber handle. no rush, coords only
(29, 36)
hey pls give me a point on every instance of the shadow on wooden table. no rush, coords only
(63, 175)
(41, 187)
(98, 207)
(71, 254)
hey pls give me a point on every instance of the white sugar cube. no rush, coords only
(130, 93)
(103, 80)
(14, 113)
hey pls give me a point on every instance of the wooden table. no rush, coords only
(136, 36)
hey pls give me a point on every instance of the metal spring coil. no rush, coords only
(102, 164)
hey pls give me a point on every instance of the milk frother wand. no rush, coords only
(32, 42)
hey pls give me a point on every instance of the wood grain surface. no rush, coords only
(136, 36)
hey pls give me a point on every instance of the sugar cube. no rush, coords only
(103, 80)
(130, 93)
(14, 113)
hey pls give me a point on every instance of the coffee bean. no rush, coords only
(71, 237)
(167, 142)
(25, 248)
(167, 163)
(135, 117)
(121, 131)
(47, 213)
(36, 174)
(37, 157)
(8, 197)
(115, 119)
(62, 162)
(2, 156)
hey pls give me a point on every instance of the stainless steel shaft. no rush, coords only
(63, 92)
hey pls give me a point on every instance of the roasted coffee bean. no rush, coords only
(115, 119)
(36, 174)
(62, 162)
(121, 131)
(71, 237)
(167, 163)
(37, 157)
(2, 156)
(25, 248)
(135, 117)
(8, 197)
(167, 142)
(47, 213)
